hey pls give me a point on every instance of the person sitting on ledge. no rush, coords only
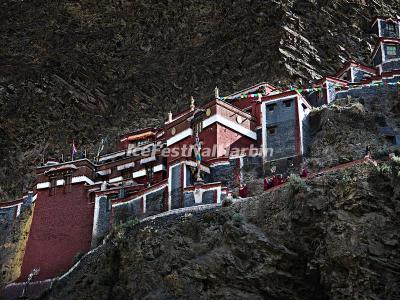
(275, 180)
(243, 192)
(266, 184)
(304, 172)
(368, 152)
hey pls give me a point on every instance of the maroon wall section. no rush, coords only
(208, 138)
(243, 103)
(61, 227)
(218, 138)
(229, 139)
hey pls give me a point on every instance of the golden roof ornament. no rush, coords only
(216, 92)
(192, 103)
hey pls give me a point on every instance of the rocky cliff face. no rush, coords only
(87, 69)
(13, 238)
(342, 131)
(336, 238)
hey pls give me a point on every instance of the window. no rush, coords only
(272, 130)
(290, 162)
(197, 127)
(271, 107)
(288, 103)
(126, 174)
(150, 174)
(391, 51)
(304, 106)
(143, 142)
(109, 205)
(53, 186)
(391, 28)
(68, 183)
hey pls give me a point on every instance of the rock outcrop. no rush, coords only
(336, 238)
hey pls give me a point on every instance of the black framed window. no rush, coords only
(126, 174)
(391, 50)
(150, 174)
(271, 107)
(68, 183)
(272, 130)
(391, 28)
(197, 127)
(288, 103)
(109, 205)
(53, 186)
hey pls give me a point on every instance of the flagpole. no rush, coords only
(74, 151)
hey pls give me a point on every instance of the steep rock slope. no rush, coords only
(337, 238)
(342, 131)
(87, 69)
(13, 238)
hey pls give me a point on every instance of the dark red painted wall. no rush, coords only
(243, 103)
(157, 177)
(217, 136)
(229, 139)
(61, 227)
(208, 138)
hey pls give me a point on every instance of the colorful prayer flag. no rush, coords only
(74, 150)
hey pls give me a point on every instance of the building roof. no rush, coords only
(384, 40)
(385, 19)
(138, 132)
(331, 78)
(352, 63)
(140, 136)
(77, 162)
(61, 168)
(280, 96)
(250, 89)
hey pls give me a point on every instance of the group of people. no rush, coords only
(270, 182)
(276, 180)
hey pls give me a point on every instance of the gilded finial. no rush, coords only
(216, 92)
(192, 103)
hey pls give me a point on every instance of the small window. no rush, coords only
(68, 183)
(150, 174)
(126, 174)
(143, 142)
(288, 103)
(197, 127)
(53, 186)
(272, 130)
(290, 162)
(391, 51)
(109, 205)
(304, 106)
(271, 107)
(391, 28)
